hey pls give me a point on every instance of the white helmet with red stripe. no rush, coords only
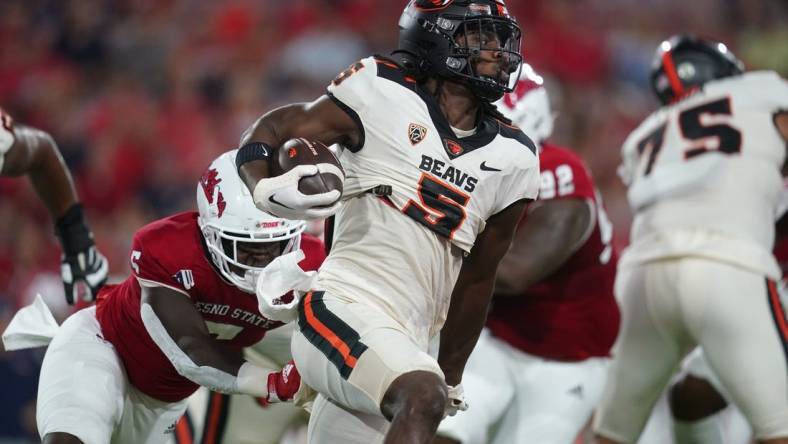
(528, 106)
(240, 237)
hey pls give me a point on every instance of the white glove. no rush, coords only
(280, 196)
(456, 401)
(276, 280)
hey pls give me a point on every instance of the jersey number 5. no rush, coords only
(693, 130)
(442, 207)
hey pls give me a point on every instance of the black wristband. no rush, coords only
(72, 230)
(253, 151)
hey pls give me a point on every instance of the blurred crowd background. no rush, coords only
(142, 94)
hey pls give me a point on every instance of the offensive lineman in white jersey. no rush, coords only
(704, 178)
(29, 151)
(436, 182)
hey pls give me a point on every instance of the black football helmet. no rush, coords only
(685, 62)
(445, 39)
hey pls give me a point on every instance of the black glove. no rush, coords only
(80, 260)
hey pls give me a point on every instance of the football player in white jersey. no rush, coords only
(29, 151)
(704, 181)
(436, 180)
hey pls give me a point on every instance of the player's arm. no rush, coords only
(472, 292)
(781, 122)
(552, 232)
(34, 153)
(322, 120)
(179, 331)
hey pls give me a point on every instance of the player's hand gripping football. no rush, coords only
(281, 197)
(81, 261)
(456, 401)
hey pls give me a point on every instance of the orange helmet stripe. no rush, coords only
(673, 76)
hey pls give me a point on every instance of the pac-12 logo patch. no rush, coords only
(416, 133)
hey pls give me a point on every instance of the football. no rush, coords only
(304, 152)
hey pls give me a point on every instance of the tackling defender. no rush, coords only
(121, 371)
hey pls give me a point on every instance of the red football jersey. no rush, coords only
(572, 314)
(171, 252)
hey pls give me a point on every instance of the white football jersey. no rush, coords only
(704, 174)
(404, 251)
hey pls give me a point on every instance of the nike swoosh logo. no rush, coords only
(274, 201)
(484, 167)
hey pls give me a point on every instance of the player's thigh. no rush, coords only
(489, 385)
(554, 400)
(742, 329)
(650, 344)
(732, 422)
(352, 352)
(331, 423)
(695, 364)
(82, 384)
